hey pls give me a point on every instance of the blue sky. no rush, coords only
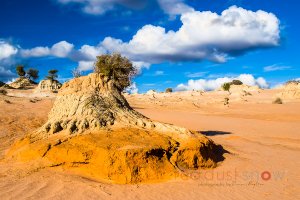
(174, 43)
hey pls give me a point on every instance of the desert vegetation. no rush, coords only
(293, 82)
(226, 86)
(52, 75)
(169, 90)
(31, 74)
(3, 92)
(278, 101)
(76, 73)
(117, 68)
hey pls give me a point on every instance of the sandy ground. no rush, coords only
(262, 140)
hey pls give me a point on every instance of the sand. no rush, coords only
(262, 140)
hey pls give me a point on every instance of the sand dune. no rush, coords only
(262, 140)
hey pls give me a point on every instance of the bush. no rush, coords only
(32, 74)
(226, 86)
(76, 73)
(236, 82)
(116, 68)
(278, 101)
(20, 70)
(292, 82)
(226, 101)
(169, 90)
(3, 92)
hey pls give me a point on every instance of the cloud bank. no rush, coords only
(202, 36)
(212, 84)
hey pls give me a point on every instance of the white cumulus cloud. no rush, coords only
(174, 7)
(61, 49)
(85, 65)
(203, 35)
(7, 50)
(212, 84)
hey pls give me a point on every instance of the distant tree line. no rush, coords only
(33, 74)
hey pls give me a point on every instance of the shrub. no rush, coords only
(292, 82)
(226, 86)
(3, 92)
(236, 82)
(20, 70)
(52, 74)
(169, 90)
(226, 101)
(7, 101)
(278, 101)
(76, 73)
(116, 68)
(32, 74)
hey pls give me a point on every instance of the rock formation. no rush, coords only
(290, 91)
(92, 130)
(22, 83)
(49, 86)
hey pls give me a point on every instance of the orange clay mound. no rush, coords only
(93, 132)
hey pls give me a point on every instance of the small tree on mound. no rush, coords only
(169, 90)
(226, 86)
(32, 74)
(20, 70)
(52, 74)
(117, 68)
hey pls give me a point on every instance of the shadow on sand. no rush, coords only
(214, 133)
(219, 151)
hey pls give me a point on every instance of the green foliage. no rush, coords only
(278, 101)
(32, 74)
(236, 82)
(20, 70)
(169, 90)
(52, 74)
(226, 86)
(116, 68)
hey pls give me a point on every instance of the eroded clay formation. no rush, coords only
(92, 130)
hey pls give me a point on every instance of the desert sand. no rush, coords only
(261, 140)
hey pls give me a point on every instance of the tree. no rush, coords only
(20, 70)
(226, 86)
(116, 68)
(32, 74)
(52, 74)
